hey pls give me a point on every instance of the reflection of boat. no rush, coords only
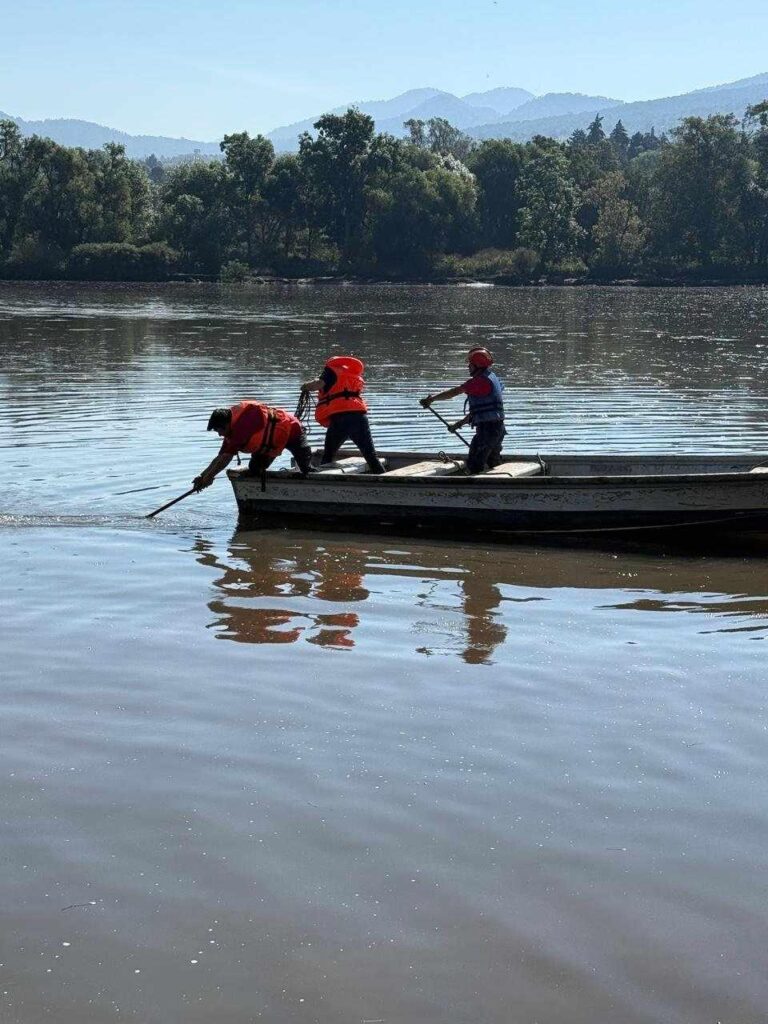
(342, 591)
(556, 494)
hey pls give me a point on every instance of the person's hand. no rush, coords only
(201, 482)
(425, 402)
(455, 426)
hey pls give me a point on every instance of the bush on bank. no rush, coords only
(120, 261)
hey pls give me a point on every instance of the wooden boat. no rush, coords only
(525, 495)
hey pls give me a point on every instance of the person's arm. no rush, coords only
(206, 478)
(459, 423)
(442, 396)
(312, 385)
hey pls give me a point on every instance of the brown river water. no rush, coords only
(313, 778)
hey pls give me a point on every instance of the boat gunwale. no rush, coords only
(499, 481)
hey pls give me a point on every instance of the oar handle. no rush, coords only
(447, 424)
(181, 497)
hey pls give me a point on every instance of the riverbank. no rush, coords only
(344, 280)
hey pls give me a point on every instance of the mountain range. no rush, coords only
(468, 113)
(497, 113)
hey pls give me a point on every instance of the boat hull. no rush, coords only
(726, 498)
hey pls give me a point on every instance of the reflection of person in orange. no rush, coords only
(300, 570)
(239, 583)
(335, 631)
(484, 630)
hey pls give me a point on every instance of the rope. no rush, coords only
(305, 411)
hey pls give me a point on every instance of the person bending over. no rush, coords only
(261, 431)
(342, 410)
(485, 404)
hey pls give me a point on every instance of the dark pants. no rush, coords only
(299, 449)
(354, 427)
(485, 449)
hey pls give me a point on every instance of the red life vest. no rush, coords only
(272, 437)
(345, 395)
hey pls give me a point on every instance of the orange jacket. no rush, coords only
(272, 437)
(345, 395)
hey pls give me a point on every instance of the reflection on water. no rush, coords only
(256, 582)
(268, 585)
(282, 587)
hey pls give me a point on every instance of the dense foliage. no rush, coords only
(434, 204)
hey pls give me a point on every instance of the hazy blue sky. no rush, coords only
(199, 68)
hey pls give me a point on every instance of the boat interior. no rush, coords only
(422, 466)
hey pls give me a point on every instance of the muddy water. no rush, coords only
(299, 777)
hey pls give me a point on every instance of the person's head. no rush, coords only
(479, 359)
(219, 421)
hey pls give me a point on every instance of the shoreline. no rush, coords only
(347, 280)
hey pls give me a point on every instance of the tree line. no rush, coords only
(436, 204)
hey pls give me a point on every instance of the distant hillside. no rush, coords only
(553, 104)
(467, 112)
(508, 112)
(399, 108)
(661, 115)
(93, 136)
(504, 100)
(460, 114)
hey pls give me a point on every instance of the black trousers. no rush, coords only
(299, 449)
(354, 427)
(485, 449)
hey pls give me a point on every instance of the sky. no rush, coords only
(199, 68)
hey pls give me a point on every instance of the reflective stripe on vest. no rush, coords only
(345, 395)
(487, 408)
(270, 439)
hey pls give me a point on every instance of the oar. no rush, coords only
(162, 508)
(436, 413)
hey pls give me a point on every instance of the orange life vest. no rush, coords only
(272, 437)
(346, 393)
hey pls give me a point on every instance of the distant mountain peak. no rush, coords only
(502, 112)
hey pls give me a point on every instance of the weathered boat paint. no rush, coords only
(576, 493)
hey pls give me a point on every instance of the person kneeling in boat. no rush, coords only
(341, 409)
(259, 430)
(485, 402)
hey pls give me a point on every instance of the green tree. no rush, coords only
(248, 162)
(415, 217)
(595, 133)
(497, 165)
(338, 165)
(195, 216)
(702, 179)
(61, 202)
(121, 194)
(619, 140)
(13, 183)
(443, 138)
(548, 203)
(618, 234)
(417, 135)
(756, 124)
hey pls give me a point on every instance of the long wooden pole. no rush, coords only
(442, 420)
(181, 497)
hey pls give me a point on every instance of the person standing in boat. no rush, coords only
(485, 405)
(261, 431)
(342, 410)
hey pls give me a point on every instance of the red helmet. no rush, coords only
(480, 358)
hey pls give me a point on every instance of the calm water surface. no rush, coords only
(299, 777)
